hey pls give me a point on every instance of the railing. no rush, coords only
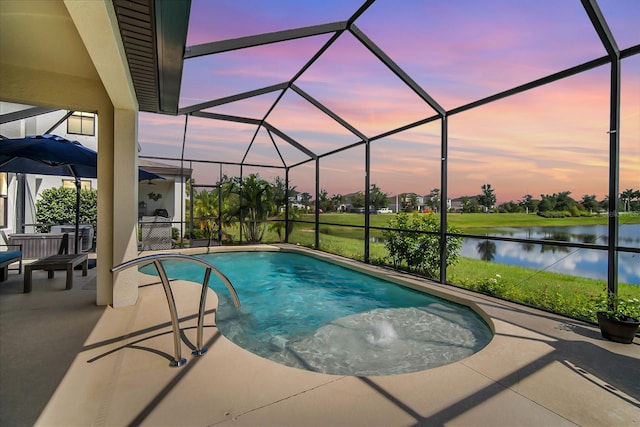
(157, 259)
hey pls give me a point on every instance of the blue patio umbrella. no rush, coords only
(54, 155)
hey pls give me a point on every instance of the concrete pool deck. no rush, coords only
(539, 370)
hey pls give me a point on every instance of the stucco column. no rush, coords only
(125, 205)
(97, 26)
(104, 244)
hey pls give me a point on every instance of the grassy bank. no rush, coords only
(468, 222)
(560, 293)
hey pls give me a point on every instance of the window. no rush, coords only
(82, 124)
(85, 184)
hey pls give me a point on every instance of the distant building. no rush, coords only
(454, 205)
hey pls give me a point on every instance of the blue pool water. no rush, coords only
(307, 313)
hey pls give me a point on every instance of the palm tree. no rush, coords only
(206, 207)
(626, 196)
(488, 197)
(254, 207)
(280, 192)
(204, 203)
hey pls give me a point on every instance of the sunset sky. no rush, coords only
(550, 139)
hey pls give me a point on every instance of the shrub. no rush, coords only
(492, 286)
(197, 234)
(554, 214)
(415, 243)
(58, 206)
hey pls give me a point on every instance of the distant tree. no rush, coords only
(589, 202)
(563, 201)
(408, 202)
(278, 189)
(336, 201)
(510, 207)
(547, 203)
(357, 199)
(626, 197)
(635, 203)
(433, 200)
(305, 199)
(470, 204)
(488, 197)
(324, 201)
(557, 202)
(529, 203)
(377, 198)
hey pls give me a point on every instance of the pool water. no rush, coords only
(307, 313)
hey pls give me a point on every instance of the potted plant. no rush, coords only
(618, 317)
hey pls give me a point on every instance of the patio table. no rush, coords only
(56, 262)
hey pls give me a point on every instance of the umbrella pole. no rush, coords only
(77, 236)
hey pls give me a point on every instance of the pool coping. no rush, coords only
(540, 369)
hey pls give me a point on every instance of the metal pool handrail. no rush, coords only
(157, 259)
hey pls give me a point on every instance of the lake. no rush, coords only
(574, 261)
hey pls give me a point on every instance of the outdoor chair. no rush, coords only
(8, 257)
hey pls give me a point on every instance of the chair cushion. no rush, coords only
(9, 255)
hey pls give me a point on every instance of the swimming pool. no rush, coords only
(311, 314)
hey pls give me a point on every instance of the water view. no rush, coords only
(580, 262)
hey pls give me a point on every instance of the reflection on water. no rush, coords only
(486, 249)
(589, 263)
(574, 261)
(628, 234)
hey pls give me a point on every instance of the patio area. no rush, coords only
(68, 362)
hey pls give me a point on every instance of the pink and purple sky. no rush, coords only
(547, 140)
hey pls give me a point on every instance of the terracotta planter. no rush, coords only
(622, 331)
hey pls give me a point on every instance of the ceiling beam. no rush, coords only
(233, 98)
(533, 84)
(290, 140)
(172, 22)
(24, 114)
(328, 112)
(226, 118)
(600, 25)
(261, 39)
